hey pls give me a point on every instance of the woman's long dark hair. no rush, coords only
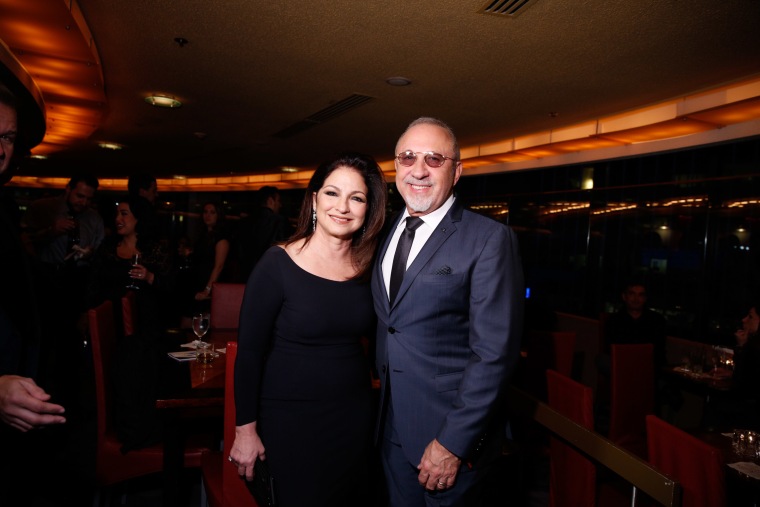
(144, 214)
(365, 239)
(209, 237)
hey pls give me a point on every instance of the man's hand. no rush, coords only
(63, 225)
(438, 467)
(24, 405)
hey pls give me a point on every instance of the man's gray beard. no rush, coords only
(418, 204)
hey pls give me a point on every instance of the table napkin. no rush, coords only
(747, 468)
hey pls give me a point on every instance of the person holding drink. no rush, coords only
(133, 260)
(302, 379)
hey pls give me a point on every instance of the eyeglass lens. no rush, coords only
(408, 158)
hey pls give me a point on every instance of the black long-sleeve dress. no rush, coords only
(301, 372)
(137, 358)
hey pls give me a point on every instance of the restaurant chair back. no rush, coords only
(546, 350)
(226, 300)
(129, 312)
(223, 485)
(111, 465)
(696, 465)
(572, 477)
(631, 395)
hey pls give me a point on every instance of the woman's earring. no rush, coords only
(313, 219)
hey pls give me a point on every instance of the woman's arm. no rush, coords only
(221, 250)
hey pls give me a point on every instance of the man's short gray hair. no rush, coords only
(426, 120)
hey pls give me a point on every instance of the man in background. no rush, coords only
(143, 185)
(634, 323)
(261, 229)
(65, 229)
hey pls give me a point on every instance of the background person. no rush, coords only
(302, 384)
(449, 339)
(136, 363)
(143, 186)
(634, 323)
(264, 227)
(740, 407)
(209, 257)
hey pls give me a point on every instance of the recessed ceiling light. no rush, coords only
(162, 101)
(110, 146)
(39, 157)
(398, 81)
(289, 170)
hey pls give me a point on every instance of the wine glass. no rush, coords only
(200, 326)
(132, 282)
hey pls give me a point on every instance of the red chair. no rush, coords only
(226, 300)
(129, 312)
(546, 350)
(572, 476)
(112, 466)
(223, 485)
(631, 395)
(686, 459)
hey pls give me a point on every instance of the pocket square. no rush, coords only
(443, 270)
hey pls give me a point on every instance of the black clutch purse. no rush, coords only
(262, 485)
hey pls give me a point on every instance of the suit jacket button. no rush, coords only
(392, 330)
(383, 368)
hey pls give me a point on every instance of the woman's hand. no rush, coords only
(140, 272)
(245, 449)
(203, 295)
(741, 337)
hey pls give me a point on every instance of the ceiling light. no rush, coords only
(39, 157)
(289, 170)
(162, 101)
(110, 146)
(398, 81)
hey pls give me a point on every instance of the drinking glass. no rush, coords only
(132, 282)
(200, 326)
(205, 353)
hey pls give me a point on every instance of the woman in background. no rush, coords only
(209, 255)
(137, 357)
(302, 379)
(113, 269)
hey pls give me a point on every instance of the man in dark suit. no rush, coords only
(449, 335)
(24, 405)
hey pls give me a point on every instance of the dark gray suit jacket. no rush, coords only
(452, 337)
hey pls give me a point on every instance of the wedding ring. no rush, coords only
(229, 458)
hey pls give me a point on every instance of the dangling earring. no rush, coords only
(313, 219)
(364, 229)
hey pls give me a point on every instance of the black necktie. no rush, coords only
(402, 254)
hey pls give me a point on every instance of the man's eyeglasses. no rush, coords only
(408, 158)
(8, 139)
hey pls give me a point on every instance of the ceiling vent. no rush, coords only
(326, 114)
(506, 8)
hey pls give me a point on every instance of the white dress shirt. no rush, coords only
(421, 235)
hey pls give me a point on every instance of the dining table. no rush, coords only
(742, 470)
(189, 392)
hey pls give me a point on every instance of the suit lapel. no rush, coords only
(445, 228)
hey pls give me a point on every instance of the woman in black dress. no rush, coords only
(137, 357)
(209, 258)
(302, 379)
